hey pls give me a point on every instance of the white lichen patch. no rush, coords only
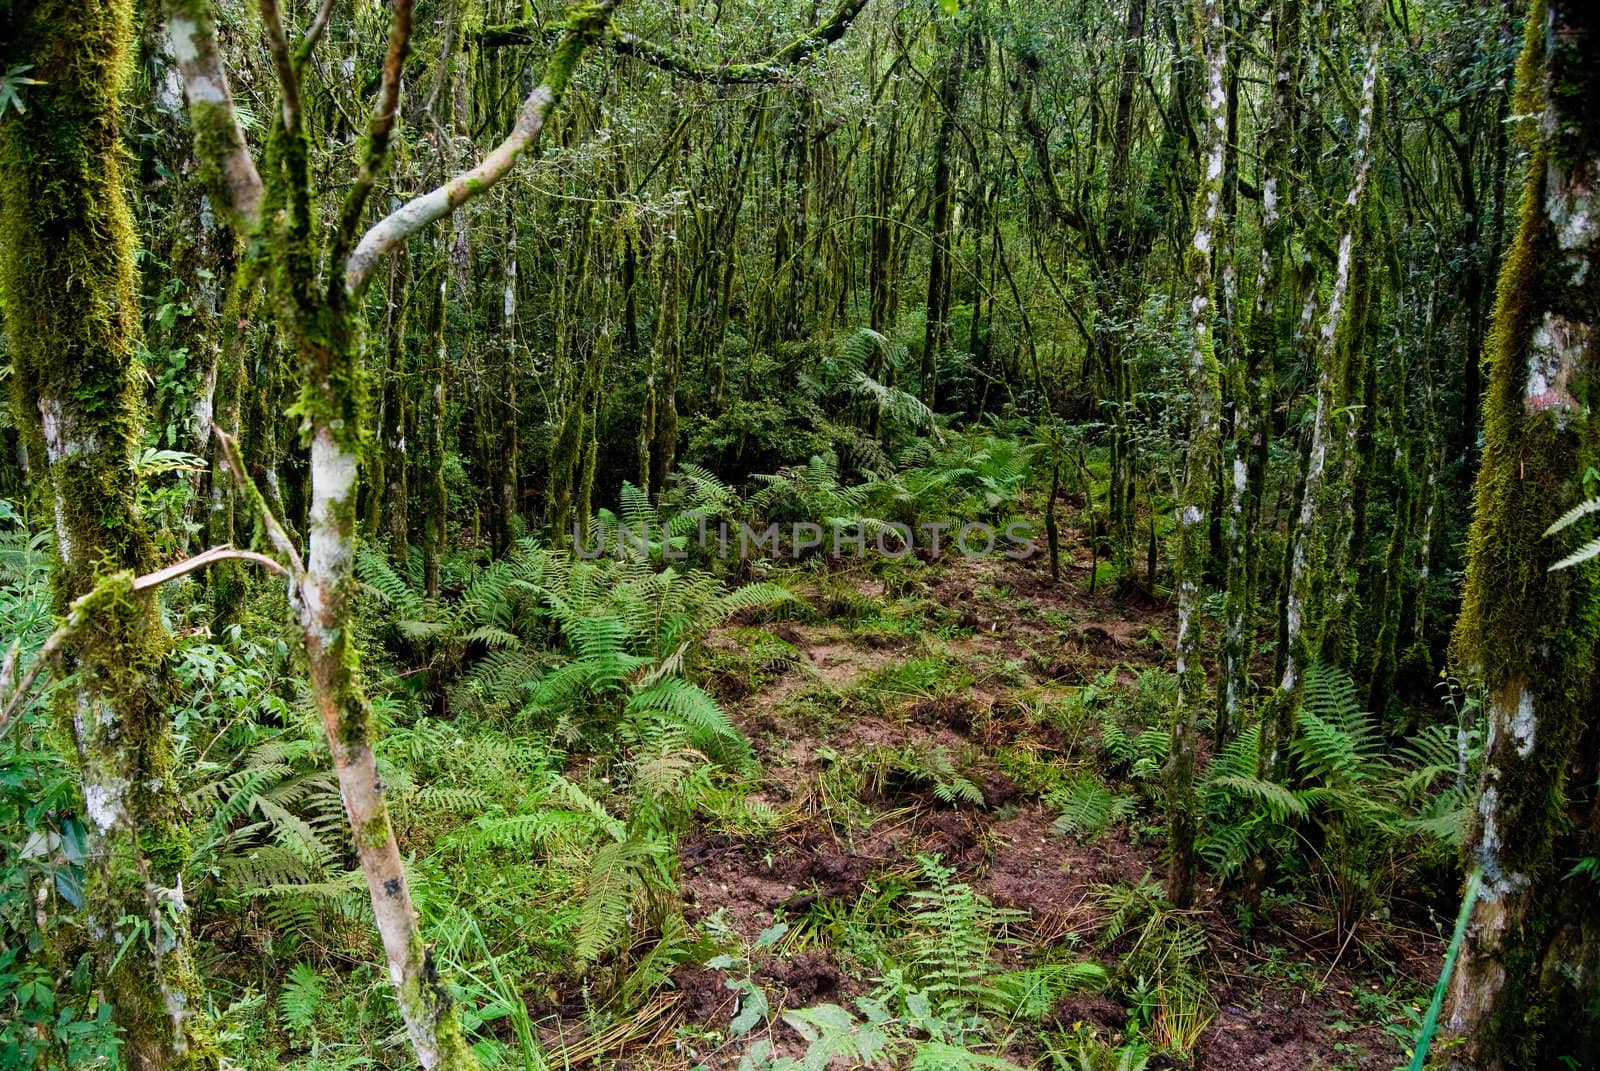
(1497, 881)
(1557, 347)
(106, 802)
(1524, 723)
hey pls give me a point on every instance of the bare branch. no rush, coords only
(772, 69)
(203, 559)
(218, 136)
(379, 132)
(269, 522)
(585, 24)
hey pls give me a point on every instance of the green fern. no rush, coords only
(1084, 806)
(620, 875)
(301, 998)
(1590, 549)
(1030, 994)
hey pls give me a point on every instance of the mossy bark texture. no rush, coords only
(1526, 992)
(71, 311)
(1201, 461)
(1322, 527)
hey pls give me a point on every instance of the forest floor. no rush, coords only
(1294, 991)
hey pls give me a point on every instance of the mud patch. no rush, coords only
(809, 978)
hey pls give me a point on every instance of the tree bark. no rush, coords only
(71, 313)
(1320, 519)
(1526, 990)
(1200, 455)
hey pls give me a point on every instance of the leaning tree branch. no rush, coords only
(314, 32)
(199, 561)
(276, 535)
(379, 134)
(774, 68)
(83, 609)
(585, 25)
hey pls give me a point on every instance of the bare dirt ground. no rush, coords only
(1290, 995)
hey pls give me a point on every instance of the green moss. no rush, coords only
(585, 23)
(215, 137)
(72, 316)
(1531, 634)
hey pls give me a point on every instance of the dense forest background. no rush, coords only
(342, 728)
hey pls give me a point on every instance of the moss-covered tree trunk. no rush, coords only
(1201, 455)
(1252, 376)
(1526, 992)
(1322, 519)
(935, 329)
(71, 311)
(508, 492)
(435, 492)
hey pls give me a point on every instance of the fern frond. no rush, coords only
(1280, 803)
(619, 874)
(690, 708)
(301, 997)
(1086, 806)
(1573, 515)
(1030, 994)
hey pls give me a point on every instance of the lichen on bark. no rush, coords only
(1527, 990)
(71, 312)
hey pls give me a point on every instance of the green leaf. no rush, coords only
(753, 1007)
(9, 97)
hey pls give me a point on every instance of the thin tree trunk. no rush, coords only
(1252, 376)
(1320, 517)
(1200, 456)
(936, 330)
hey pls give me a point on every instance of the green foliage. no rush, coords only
(1590, 549)
(1085, 806)
(10, 87)
(1371, 813)
(1160, 973)
(1073, 1053)
(300, 998)
(972, 477)
(620, 875)
(51, 1013)
(883, 771)
(941, 985)
(590, 645)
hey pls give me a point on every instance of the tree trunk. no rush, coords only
(1200, 457)
(1526, 990)
(1320, 519)
(936, 330)
(68, 276)
(1252, 391)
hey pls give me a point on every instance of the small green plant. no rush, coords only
(1086, 807)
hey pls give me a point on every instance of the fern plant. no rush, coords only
(1160, 971)
(300, 998)
(1589, 550)
(1368, 811)
(1086, 807)
(591, 645)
